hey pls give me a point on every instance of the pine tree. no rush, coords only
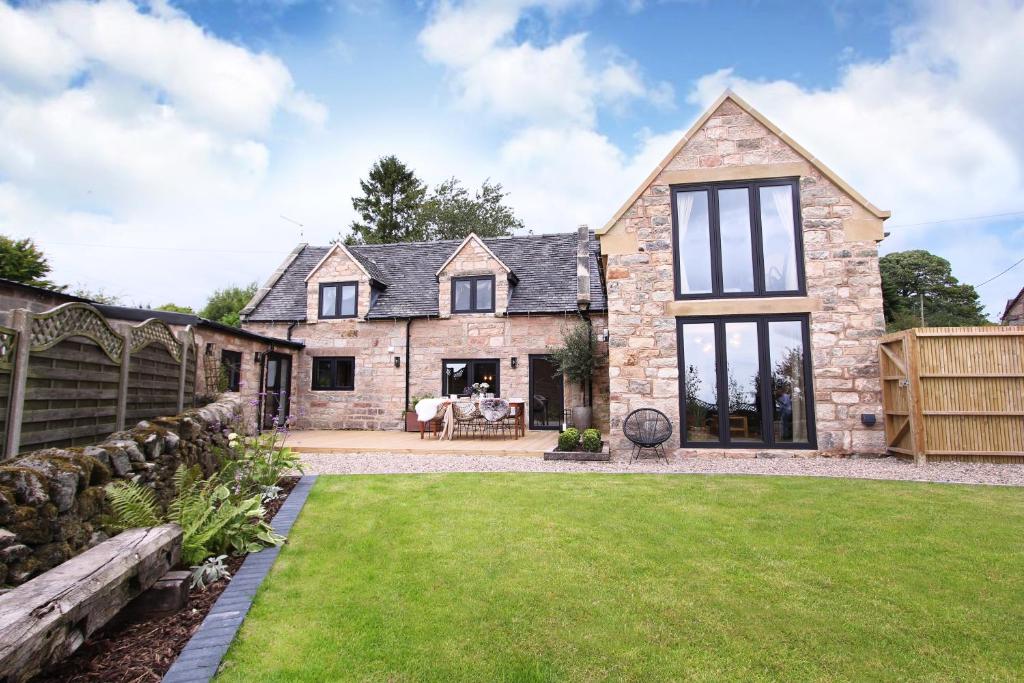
(389, 207)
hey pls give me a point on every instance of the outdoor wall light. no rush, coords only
(514, 362)
(398, 361)
(867, 419)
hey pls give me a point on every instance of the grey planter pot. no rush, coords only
(582, 417)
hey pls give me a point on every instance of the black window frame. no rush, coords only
(473, 279)
(496, 386)
(335, 362)
(337, 300)
(756, 238)
(231, 362)
(764, 366)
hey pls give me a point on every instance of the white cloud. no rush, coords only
(554, 83)
(932, 133)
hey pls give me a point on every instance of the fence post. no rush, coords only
(183, 371)
(915, 396)
(122, 382)
(22, 323)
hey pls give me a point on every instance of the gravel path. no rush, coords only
(857, 468)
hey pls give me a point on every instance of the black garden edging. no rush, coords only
(202, 655)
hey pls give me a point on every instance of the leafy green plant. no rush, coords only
(133, 506)
(577, 356)
(569, 439)
(591, 440)
(254, 464)
(210, 571)
(213, 522)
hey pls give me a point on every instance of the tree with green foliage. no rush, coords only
(388, 208)
(98, 296)
(22, 261)
(451, 213)
(918, 284)
(175, 308)
(225, 305)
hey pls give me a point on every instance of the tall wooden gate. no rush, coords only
(954, 393)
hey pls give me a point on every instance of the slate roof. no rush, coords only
(545, 266)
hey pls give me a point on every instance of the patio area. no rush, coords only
(533, 444)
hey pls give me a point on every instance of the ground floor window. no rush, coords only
(334, 374)
(231, 369)
(459, 376)
(746, 382)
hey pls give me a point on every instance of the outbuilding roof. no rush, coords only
(544, 266)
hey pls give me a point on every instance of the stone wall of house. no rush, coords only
(52, 501)
(1014, 313)
(843, 285)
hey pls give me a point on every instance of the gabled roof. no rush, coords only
(1010, 303)
(471, 237)
(760, 118)
(545, 266)
(369, 269)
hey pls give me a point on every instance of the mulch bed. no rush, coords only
(142, 652)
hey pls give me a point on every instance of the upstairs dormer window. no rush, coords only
(473, 294)
(338, 299)
(737, 239)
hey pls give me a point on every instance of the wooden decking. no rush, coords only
(534, 444)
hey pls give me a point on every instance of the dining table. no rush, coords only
(435, 414)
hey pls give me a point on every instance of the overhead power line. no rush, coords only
(1000, 274)
(958, 220)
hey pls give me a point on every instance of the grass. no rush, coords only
(536, 577)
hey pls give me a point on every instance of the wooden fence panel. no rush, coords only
(67, 377)
(152, 383)
(964, 393)
(70, 395)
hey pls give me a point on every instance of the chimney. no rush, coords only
(583, 267)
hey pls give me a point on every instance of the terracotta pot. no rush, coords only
(412, 423)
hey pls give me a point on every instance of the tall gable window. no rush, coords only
(334, 374)
(338, 299)
(473, 294)
(737, 239)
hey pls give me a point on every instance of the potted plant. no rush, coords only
(576, 359)
(412, 423)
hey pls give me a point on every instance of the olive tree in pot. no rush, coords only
(576, 359)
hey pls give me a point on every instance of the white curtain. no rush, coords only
(782, 198)
(684, 207)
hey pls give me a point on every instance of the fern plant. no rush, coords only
(213, 522)
(133, 505)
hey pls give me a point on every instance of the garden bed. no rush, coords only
(141, 652)
(603, 455)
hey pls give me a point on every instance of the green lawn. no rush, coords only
(522, 577)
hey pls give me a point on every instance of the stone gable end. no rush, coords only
(844, 296)
(337, 267)
(473, 259)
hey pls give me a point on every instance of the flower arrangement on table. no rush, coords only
(480, 388)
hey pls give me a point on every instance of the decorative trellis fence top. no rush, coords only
(67, 375)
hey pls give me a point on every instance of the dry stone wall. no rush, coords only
(52, 502)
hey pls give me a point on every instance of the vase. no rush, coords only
(581, 417)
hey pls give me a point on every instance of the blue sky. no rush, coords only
(151, 148)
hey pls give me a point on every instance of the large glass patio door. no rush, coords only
(745, 382)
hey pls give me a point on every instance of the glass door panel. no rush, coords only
(700, 382)
(743, 382)
(547, 397)
(789, 385)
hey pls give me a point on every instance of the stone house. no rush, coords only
(384, 324)
(738, 290)
(1013, 314)
(744, 295)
